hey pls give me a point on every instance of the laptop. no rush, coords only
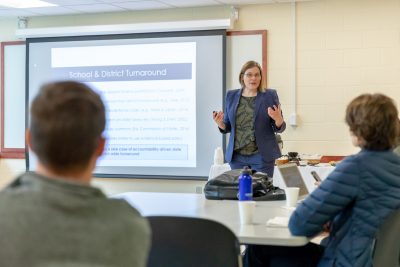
(292, 177)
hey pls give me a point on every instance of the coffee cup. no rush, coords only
(246, 211)
(292, 195)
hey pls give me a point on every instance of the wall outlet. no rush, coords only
(293, 119)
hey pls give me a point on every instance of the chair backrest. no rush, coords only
(387, 245)
(194, 242)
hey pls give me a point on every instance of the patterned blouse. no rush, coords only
(245, 140)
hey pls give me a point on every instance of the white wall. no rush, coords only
(343, 48)
(9, 168)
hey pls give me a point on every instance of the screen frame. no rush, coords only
(222, 33)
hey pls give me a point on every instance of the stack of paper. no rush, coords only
(278, 222)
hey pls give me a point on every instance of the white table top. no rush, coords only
(224, 211)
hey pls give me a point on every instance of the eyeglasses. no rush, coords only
(250, 75)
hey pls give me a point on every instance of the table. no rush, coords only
(322, 169)
(223, 211)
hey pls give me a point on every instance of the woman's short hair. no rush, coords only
(67, 121)
(374, 119)
(248, 65)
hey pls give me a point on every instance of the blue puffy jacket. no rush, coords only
(356, 198)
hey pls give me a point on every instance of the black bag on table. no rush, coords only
(226, 186)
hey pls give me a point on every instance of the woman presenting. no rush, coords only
(252, 115)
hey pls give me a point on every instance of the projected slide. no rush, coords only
(159, 90)
(150, 96)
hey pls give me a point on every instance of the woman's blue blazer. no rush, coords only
(264, 125)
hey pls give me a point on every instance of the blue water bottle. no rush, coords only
(245, 185)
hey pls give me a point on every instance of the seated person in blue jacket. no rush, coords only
(252, 117)
(353, 200)
(397, 148)
(53, 217)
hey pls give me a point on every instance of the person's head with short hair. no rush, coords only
(67, 122)
(373, 120)
(251, 69)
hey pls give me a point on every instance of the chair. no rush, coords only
(387, 243)
(194, 242)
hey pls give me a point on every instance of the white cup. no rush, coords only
(292, 195)
(246, 211)
(218, 156)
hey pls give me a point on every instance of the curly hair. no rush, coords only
(374, 119)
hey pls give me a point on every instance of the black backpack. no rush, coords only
(226, 186)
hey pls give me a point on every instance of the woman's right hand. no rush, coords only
(218, 117)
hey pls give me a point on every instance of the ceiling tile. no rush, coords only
(93, 6)
(119, 1)
(96, 8)
(246, 2)
(142, 5)
(16, 13)
(186, 3)
(288, 1)
(50, 11)
(72, 2)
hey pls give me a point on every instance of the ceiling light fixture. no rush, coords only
(25, 3)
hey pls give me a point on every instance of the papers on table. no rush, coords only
(292, 208)
(278, 222)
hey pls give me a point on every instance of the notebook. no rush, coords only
(292, 177)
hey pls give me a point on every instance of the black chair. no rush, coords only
(387, 243)
(194, 242)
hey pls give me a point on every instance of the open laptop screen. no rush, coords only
(292, 177)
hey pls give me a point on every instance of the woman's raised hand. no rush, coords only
(275, 113)
(218, 117)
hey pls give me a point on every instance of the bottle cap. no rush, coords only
(246, 170)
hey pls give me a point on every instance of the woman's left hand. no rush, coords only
(275, 113)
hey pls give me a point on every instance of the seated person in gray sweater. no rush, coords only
(53, 217)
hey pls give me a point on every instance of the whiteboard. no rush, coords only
(13, 99)
(241, 46)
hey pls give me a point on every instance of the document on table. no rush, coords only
(278, 222)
